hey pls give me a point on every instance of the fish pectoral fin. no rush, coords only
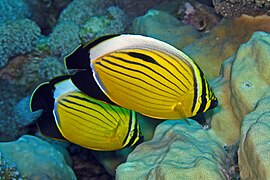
(48, 127)
(86, 83)
(78, 59)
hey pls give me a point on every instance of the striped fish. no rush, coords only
(142, 74)
(71, 115)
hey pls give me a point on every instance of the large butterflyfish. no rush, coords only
(142, 74)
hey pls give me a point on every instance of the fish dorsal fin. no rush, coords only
(79, 58)
(42, 97)
(86, 83)
(130, 41)
(48, 127)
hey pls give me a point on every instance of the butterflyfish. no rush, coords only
(142, 74)
(71, 115)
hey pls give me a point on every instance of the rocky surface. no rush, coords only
(36, 159)
(243, 82)
(165, 27)
(177, 151)
(223, 41)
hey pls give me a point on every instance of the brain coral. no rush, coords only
(17, 37)
(235, 8)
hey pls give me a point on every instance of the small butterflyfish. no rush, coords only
(69, 114)
(142, 74)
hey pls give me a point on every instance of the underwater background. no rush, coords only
(230, 42)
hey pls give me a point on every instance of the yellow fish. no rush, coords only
(71, 115)
(142, 74)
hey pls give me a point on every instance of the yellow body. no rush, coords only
(162, 86)
(94, 125)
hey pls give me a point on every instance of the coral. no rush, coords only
(223, 41)
(236, 8)
(45, 13)
(22, 113)
(254, 155)
(113, 22)
(51, 67)
(163, 26)
(64, 38)
(8, 170)
(10, 95)
(79, 11)
(243, 82)
(11, 10)
(200, 16)
(137, 8)
(45, 160)
(17, 37)
(177, 151)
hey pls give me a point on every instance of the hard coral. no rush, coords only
(8, 170)
(17, 37)
(235, 8)
(11, 10)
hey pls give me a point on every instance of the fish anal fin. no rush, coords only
(86, 83)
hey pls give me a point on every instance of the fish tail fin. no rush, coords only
(78, 59)
(42, 97)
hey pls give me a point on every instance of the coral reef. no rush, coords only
(22, 114)
(79, 11)
(177, 151)
(243, 82)
(223, 41)
(45, 160)
(114, 21)
(63, 39)
(163, 26)
(8, 170)
(200, 16)
(45, 13)
(51, 67)
(254, 155)
(17, 37)
(12, 10)
(236, 8)
(137, 8)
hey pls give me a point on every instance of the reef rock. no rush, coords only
(36, 159)
(243, 82)
(17, 37)
(177, 151)
(223, 41)
(254, 154)
(165, 27)
(232, 8)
